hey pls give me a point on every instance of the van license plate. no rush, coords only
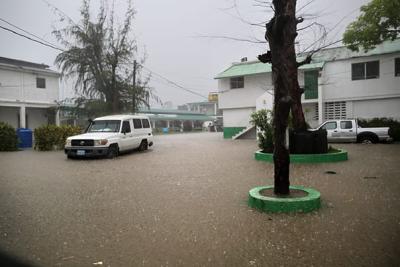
(80, 152)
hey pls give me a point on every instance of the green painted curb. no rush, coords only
(305, 204)
(306, 158)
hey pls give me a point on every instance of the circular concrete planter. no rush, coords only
(304, 204)
(341, 155)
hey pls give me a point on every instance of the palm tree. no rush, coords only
(99, 56)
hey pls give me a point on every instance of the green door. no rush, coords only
(311, 84)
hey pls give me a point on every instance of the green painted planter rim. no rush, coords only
(309, 155)
(341, 155)
(304, 204)
(312, 194)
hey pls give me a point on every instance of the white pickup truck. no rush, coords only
(349, 131)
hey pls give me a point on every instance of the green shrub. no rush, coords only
(51, 137)
(8, 137)
(67, 131)
(263, 120)
(394, 126)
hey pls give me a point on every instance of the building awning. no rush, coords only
(178, 117)
(256, 67)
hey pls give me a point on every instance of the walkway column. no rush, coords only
(192, 125)
(153, 124)
(181, 126)
(320, 105)
(167, 124)
(22, 116)
(58, 117)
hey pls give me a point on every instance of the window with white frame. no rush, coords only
(237, 82)
(365, 70)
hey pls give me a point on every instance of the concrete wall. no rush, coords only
(254, 87)
(9, 115)
(36, 117)
(337, 83)
(310, 114)
(377, 108)
(21, 85)
(237, 117)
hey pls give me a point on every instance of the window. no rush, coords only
(137, 124)
(145, 123)
(126, 127)
(104, 126)
(335, 110)
(365, 70)
(329, 125)
(237, 82)
(346, 125)
(397, 67)
(40, 82)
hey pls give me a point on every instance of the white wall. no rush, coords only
(239, 117)
(254, 87)
(377, 108)
(21, 85)
(9, 115)
(337, 83)
(265, 101)
(36, 117)
(310, 110)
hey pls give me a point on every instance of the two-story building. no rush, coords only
(28, 93)
(338, 83)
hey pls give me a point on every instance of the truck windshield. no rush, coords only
(104, 126)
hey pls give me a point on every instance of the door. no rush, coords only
(347, 131)
(311, 84)
(331, 128)
(137, 132)
(127, 140)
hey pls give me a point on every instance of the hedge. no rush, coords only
(8, 137)
(394, 126)
(52, 137)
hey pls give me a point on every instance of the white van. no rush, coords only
(109, 135)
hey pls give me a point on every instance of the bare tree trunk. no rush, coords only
(299, 122)
(281, 34)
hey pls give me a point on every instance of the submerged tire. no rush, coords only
(368, 139)
(112, 152)
(143, 145)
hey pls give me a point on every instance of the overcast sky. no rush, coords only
(170, 32)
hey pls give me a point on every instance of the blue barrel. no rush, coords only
(165, 130)
(25, 137)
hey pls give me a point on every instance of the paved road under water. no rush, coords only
(183, 203)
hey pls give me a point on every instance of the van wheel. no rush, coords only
(143, 145)
(112, 152)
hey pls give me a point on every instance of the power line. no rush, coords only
(25, 31)
(34, 40)
(173, 83)
(62, 13)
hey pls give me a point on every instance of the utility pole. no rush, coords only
(134, 86)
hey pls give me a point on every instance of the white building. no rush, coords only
(338, 84)
(28, 93)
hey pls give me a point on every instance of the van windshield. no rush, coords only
(104, 126)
